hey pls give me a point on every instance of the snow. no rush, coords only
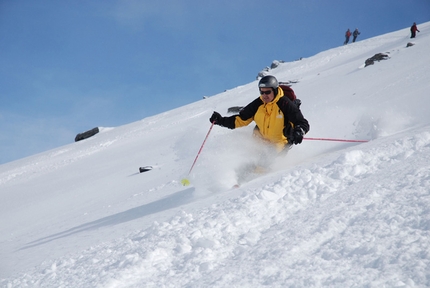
(335, 214)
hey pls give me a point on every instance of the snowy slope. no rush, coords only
(329, 214)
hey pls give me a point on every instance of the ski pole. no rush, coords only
(333, 139)
(185, 181)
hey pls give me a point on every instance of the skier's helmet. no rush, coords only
(269, 82)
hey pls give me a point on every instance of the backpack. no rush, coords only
(290, 93)
(287, 90)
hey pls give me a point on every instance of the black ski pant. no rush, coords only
(346, 41)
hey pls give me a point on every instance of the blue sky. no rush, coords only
(69, 66)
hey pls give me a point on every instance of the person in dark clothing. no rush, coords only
(347, 35)
(414, 30)
(278, 120)
(355, 34)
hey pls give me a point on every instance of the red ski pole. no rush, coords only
(185, 181)
(333, 139)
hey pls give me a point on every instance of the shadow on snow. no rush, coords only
(175, 200)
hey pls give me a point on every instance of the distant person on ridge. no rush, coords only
(414, 30)
(347, 35)
(355, 34)
(279, 121)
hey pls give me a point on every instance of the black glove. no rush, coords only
(298, 135)
(216, 118)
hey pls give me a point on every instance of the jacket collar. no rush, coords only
(279, 95)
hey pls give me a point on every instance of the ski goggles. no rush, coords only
(266, 92)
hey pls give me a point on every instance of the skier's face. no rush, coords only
(267, 94)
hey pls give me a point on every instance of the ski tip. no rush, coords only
(185, 182)
(145, 168)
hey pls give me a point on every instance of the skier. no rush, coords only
(414, 30)
(355, 34)
(347, 35)
(278, 120)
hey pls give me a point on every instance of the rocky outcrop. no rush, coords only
(377, 57)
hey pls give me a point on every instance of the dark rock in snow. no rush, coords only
(377, 57)
(87, 134)
(234, 109)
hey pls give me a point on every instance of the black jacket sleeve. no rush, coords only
(246, 113)
(292, 114)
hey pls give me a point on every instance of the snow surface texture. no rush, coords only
(329, 214)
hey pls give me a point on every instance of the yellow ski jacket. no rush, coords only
(275, 120)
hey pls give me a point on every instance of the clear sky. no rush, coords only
(69, 66)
